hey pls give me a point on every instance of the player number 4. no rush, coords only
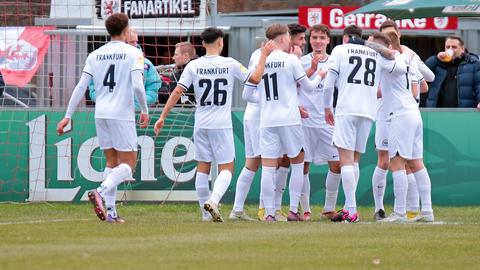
(109, 79)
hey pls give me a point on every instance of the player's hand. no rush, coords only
(329, 118)
(322, 74)
(478, 107)
(159, 125)
(144, 120)
(61, 125)
(315, 61)
(296, 50)
(303, 112)
(268, 47)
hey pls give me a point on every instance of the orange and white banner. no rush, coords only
(22, 50)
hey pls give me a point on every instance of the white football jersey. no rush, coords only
(359, 69)
(397, 90)
(252, 111)
(213, 79)
(313, 100)
(110, 67)
(278, 90)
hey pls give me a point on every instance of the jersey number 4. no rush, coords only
(109, 79)
(219, 95)
(368, 76)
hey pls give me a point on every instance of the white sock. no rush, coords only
(379, 182)
(413, 198)
(280, 184)
(114, 178)
(349, 185)
(267, 187)
(305, 197)
(400, 186)
(424, 189)
(295, 186)
(243, 186)
(221, 185)
(331, 190)
(110, 195)
(260, 200)
(356, 171)
(201, 186)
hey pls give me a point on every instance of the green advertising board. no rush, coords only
(39, 165)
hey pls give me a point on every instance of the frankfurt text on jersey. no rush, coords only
(112, 56)
(212, 71)
(363, 52)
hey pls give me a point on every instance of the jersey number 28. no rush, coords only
(368, 76)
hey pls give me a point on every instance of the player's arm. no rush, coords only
(328, 88)
(382, 50)
(171, 102)
(185, 81)
(314, 64)
(77, 96)
(427, 74)
(397, 66)
(139, 92)
(256, 76)
(250, 94)
(423, 86)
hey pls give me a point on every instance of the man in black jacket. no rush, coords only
(457, 77)
(184, 53)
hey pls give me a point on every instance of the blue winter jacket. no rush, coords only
(468, 81)
(151, 81)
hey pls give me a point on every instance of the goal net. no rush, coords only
(43, 47)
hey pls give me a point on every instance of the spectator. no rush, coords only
(184, 53)
(457, 77)
(151, 79)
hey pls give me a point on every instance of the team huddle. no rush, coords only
(289, 121)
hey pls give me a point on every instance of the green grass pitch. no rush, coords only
(69, 236)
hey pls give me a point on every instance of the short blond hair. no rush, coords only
(186, 47)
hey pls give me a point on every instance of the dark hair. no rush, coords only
(320, 28)
(457, 38)
(296, 28)
(387, 24)
(385, 38)
(116, 23)
(211, 34)
(352, 30)
(275, 30)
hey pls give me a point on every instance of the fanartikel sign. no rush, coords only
(335, 18)
(140, 9)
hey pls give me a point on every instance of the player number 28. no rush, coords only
(368, 76)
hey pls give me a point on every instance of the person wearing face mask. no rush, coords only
(457, 77)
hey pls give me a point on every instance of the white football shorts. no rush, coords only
(214, 145)
(277, 141)
(318, 145)
(120, 135)
(251, 133)
(381, 134)
(351, 132)
(406, 137)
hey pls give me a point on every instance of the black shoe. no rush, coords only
(379, 215)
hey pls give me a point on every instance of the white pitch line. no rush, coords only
(41, 221)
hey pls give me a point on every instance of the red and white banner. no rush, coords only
(22, 50)
(335, 18)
